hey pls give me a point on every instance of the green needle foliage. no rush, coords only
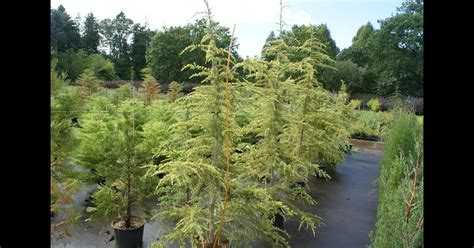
(64, 107)
(298, 126)
(88, 83)
(193, 182)
(272, 161)
(400, 209)
(174, 91)
(123, 92)
(192, 188)
(111, 147)
(320, 123)
(355, 104)
(160, 136)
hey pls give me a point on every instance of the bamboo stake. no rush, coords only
(227, 148)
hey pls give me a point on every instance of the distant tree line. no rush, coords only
(384, 61)
(119, 49)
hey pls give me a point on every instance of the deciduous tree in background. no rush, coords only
(164, 55)
(116, 33)
(396, 51)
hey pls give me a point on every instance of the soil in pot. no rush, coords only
(129, 237)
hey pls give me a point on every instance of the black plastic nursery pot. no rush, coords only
(278, 222)
(221, 244)
(129, 238)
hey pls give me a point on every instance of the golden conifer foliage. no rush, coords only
(151, 89)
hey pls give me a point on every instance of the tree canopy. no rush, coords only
(164, 53)
(64, 31)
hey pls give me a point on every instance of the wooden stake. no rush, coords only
(227, 148)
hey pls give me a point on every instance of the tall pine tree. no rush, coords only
(64, 31)
(91, 36)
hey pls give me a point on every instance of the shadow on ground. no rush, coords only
(347, 203)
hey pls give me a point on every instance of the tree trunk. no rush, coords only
(129, 204)
(211, 226)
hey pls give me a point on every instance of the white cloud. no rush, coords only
(178, 12)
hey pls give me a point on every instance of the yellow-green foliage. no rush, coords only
(374, 104)
(58, 80)
(65, 105)
(355, 104)
(111, 148)
(124, 92)
(420, 119)
(192, 187)
(88, 83)
(369, 123)
(174, 91)
(293, 122)
(277, 124)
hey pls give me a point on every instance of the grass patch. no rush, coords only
(370, 124)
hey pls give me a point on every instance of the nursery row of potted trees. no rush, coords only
(283, 128)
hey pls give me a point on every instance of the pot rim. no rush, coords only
(128, 229)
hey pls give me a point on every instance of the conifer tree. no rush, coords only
(174, 91)
(64, 107)
(297, 119)
(88, 83)
(151, 89)
(111, 147)
(400, 218)
(275, 165)
(122, 93)
(318, 123)
(194, 181)
(193, 184)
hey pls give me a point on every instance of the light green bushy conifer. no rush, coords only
(111, 147)
(174, 91)
(64, 106)
(88, 83)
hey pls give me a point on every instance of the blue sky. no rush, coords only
(254, 19)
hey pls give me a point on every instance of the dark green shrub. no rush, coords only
(103, 68)
(400, 210)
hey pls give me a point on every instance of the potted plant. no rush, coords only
(110, 143)
(64, 183)
(192, 186)
(297, 119)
